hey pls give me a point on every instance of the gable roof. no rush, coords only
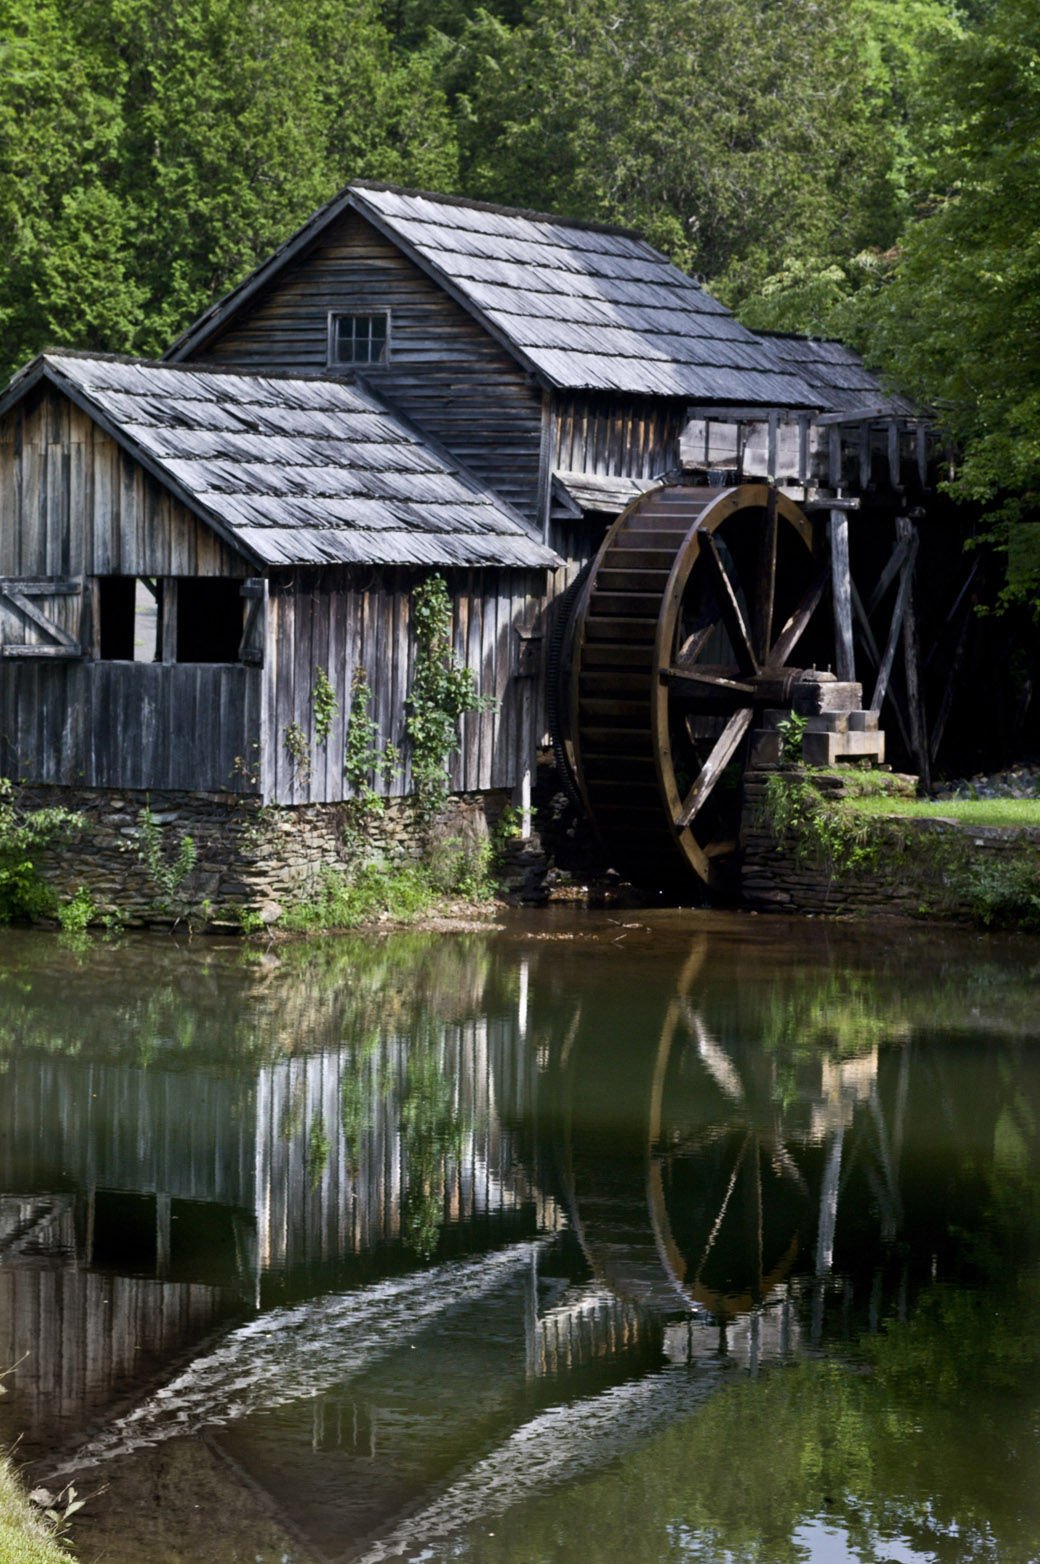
(838, 377)
(293, 472)
(582, 306)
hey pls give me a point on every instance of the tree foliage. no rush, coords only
(865, 168)
(152, 154)
(955, 318)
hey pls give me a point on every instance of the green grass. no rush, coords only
(23, 1537)
(967, 811)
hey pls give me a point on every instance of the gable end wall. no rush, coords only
(446, 373)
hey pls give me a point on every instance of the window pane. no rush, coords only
(360, 339)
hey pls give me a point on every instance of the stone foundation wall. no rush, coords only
(915, 881)
(249, 856)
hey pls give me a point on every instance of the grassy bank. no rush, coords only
(1015, 812)
(864, 838)
(24, 1538)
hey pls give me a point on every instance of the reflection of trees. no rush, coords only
(147, 999)
(432, 1131)
(877, 1450)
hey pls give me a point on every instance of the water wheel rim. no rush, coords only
(620, 704)
(730, 502)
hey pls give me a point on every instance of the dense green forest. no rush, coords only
(862, 168)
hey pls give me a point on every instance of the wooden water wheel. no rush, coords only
(685, 632)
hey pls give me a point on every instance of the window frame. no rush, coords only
(334, 318)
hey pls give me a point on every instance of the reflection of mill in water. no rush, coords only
(706, 1219)
(702, 1220)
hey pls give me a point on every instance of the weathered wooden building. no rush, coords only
(412, 383)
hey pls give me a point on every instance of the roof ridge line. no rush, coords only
(587, 225)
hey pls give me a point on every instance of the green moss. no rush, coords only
(24, 1536)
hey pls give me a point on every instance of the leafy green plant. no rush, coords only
(77, 914)
(791, 729)
(339, 901)
(299, 752)
(167, 871)
(442, 692)
(365, 760)
(1001, 892)
(23, 832)
(819, 829)
(324, 705)
(455, 867)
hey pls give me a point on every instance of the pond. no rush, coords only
(657, 1237)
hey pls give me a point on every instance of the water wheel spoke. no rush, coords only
(705, 680)
(766, 592)
(797, 624)
(730, 610)
(725, 748)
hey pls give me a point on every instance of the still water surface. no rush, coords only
(671, 1237)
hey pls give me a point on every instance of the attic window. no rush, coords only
(359, 339)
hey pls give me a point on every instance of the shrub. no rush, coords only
(22, 833)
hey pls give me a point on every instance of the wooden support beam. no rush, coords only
(885, 671)
(844, 502)
(762, 610)
(894, 473)
(953, 668)
(864, 455)
(888, 575)
(914, 695)
(803, 448)
(869, 641)
(841, 587)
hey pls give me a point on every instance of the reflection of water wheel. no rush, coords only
(694, 1201)
(693, 608)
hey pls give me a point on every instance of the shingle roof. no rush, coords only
(585, 307)
(295, 472)
(591, 491)
(838, 377)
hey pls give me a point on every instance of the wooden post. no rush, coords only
(914, 698)
(841, 576)
(841, 585)
(909, 551)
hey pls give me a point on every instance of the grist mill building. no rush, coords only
(418, 384)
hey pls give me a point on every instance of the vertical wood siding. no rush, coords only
(615, 438)
(341, 620)
(135, 725)
(445, 371)
(73, 503)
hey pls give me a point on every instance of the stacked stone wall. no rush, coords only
(914, 881)
(248, 856)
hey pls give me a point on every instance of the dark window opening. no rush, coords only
(125, 1233)
(360, 339)
(130, 619)
(210, 612)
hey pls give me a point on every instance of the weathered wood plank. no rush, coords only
(841, 591)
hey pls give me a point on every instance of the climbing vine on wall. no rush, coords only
(364, 761)
(324, 705)
(442, 691)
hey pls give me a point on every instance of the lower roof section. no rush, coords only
(294, 472)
